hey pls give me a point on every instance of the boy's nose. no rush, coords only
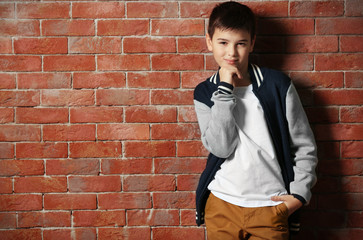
(232, 51)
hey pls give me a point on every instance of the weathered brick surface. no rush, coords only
(98, 134)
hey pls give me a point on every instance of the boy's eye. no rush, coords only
(223, 43)
(242, 44)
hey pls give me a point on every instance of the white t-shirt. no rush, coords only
(252, 175)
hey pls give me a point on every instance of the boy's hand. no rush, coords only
(290, 201)
(230, 74)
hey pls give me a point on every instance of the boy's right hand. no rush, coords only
(230, 75)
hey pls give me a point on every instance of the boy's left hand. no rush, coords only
(290, 201)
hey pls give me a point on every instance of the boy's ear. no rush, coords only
(208, 40)
(253, 43)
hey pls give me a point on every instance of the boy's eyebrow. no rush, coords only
(223, 39)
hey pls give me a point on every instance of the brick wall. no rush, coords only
(98, 134)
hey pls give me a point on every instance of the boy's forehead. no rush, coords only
(232, 33)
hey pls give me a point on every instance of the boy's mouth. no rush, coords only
(231, 62)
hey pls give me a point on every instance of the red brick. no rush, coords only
(322, 115)
(99, 80)
(338, 62)
(336, 234)
(6, 115)
(339, 26)
(21, 167)
(352, 149)
(180, 27)
(7, 10)
(149, 45)
(7, 81)
(127, 166)
(68, 28)
(49, 234)
(44, 80)
(269, 9)
(95, 45)
(123, 132)
(70, 201)
(150, 149)
(172, 97)
(339, 132)
(177, 62)
(323, 219)
(96, 114)
(353, 8)
(343, 167)
(14, 133)
(291, 26)
(187, 217)
(20, 63)
(41, 115)
(191, 149)
(124, 233)
(179, 131)
(351, 44)
(152, 9)
(192, 79)
(44, 219)
(160, 233)
(6, 150)
(318, 79)
(270, 44)
(41, 150)
(338, 97)
(69, 132)
(11, 28)
(352, 184)
(346, 201)
(355, 219)
(98, 10)
(122, 97)
(351, 114)
(196, 9)
(174, 200)
(153, 80)
(287, 62)
(66, 63)
(354, 79)
(151, 114)
(72, 167)
(328, 150)
(125, 27)
(53, 97)
(187, 114)
(6, 186)
(42, 10)
(317, 9)
(6, 45)
(20, 202)
(312, 44)
(192, 45)
(99, 218)
(123, 62)
(18, 234)
(210, 63)
(95, 149)
(179, 165)
(94, 184)
(187, 182)
(149, 183)
(124, 201)
(153, 217)
(84, 233)
(40, 184)
(7, 220)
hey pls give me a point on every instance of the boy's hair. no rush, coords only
(232, 16)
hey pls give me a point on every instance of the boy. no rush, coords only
(262, 158)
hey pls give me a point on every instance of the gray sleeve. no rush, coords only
(217, 124)
(303, 146)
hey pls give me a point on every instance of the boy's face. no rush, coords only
(231, 48)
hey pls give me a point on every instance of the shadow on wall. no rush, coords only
(277, 46)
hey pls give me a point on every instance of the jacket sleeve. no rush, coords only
(303, 147)
(217, 124)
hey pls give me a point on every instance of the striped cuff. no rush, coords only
(225, 88)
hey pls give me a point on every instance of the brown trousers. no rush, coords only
(225, 221)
